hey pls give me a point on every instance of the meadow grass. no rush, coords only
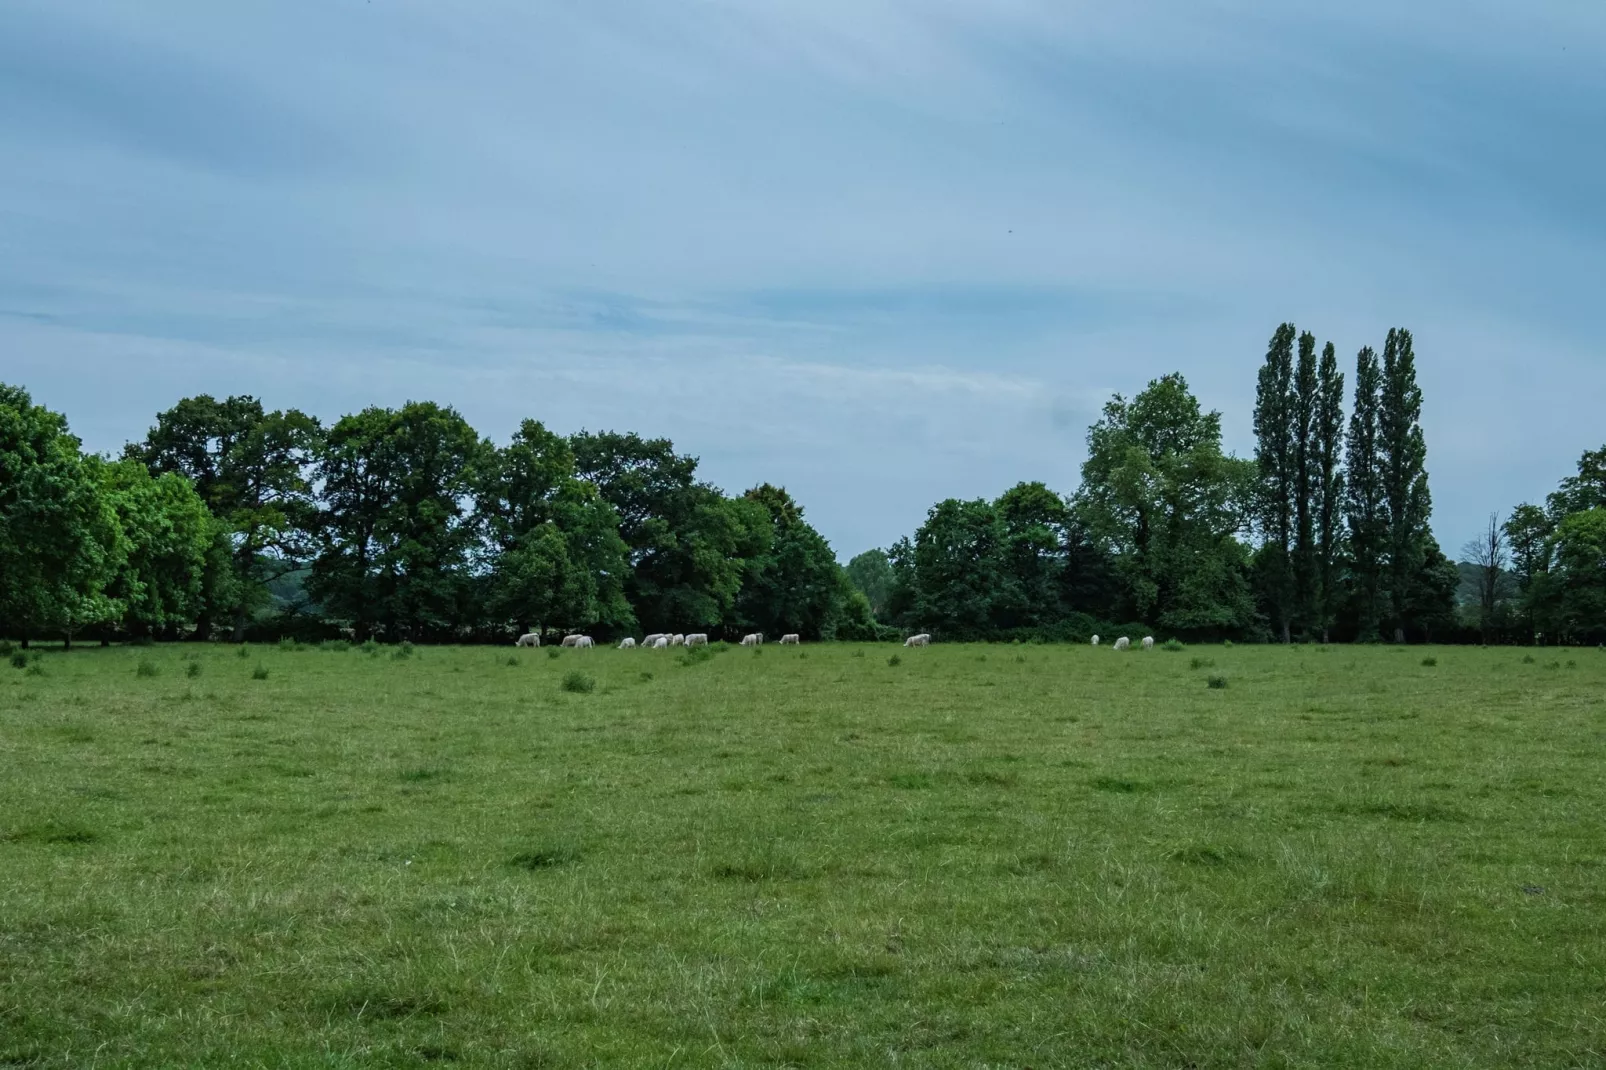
(1059, 857)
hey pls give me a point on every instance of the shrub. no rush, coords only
(1173, 646)
(554, 652)
(1201, 663)
(259, 673)
(192, 670)
(243, 652)
(1428, 663)
(895, 661)
(1227, 643)
(1217, 683)
(146, 667)
(578, 683)
(7, 648)
(370, 648)
(19, 659)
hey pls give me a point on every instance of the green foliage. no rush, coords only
(259, 673)
(1428, 663)
(243, 652)
(1366, 506)
(578, 683)
(60, 541)
(403, 651)
(19, 659)
(394, 536)
(1172, 646)
(895, 660)
(1201, 663)
(7, 647)
(1217, 683)
(167, 533)
(370, 647)
(1157, 489)
(145, 668)
(871, 574)
(792, 584)
(554, 652)
(192, 670)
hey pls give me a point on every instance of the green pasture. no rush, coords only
(964, 856)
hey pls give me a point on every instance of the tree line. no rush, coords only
(231, 521)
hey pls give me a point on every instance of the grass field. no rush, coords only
(975, 857)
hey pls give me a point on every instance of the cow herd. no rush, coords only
(663, 640)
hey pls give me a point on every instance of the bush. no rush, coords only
(554, 652)
(1201, 663)
(19, 659)
(192, 670)
(259, 673)
(1227, 643)
(895, 661)
(1428, 663)
(146, 667)
(1217, 683)
(578, 683)
(1173, 646)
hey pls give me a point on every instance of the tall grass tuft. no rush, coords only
(1173, 646)
(7, 648)
(192, 670)
(19, 659)
(370, 648)
(578, 683)
(402, 652)
(1201, 663)
(895, 660)
(1217, 683)
(259, 673)
(146, 668)
(554, 652)
(1428, 663)
(243, 652)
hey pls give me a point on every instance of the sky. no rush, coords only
(879, 252)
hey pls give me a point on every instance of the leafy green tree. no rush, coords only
(1302, 407)
(60, 542)
(952, 573)
(168, 533)
(871, 573)
(796, 584)
(1366, 503)
(1036, 531)
(395, 532)
(1584, 491)
(1328, 486)
(688, 543)
(1529, 531)
(556, 557)
(251, 469)
(1160, 495)
(1578, 581)
(1278, 480)
(1405, 481)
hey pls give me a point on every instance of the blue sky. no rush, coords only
(880, 252)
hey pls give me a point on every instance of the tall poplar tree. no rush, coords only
(1274, 457)
(1364, 504)
(1302, 419)
(1405, 482)
(1328, 436)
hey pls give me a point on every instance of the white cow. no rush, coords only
(923, 639)
(653, 638)
(661, 643)
(790, 639)
(753, 639)
(1123, 643)
(677, 640)
(529, 639)
(1095, 640)
(697, 639)
(570, 640)
(582, 642)
(627, 643)
(1148, 642)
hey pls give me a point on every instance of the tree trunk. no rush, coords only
(1399, 636)
(1287, 633)
(66, 642)
(25, 642)
(105, 640)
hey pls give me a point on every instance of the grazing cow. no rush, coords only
(570, 640)
(677, 640)
(923, 639)
(697, 639)
(753, 639)
(582, 642)
(790, 639)
(661, 643)
(627, 644)
(653, 638)
(529, 639)
(1095, 640)
(1148, 642)
(1123, 643)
